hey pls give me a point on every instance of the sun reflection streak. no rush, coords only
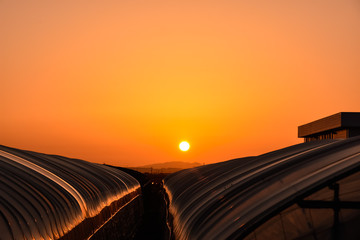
(95, 188)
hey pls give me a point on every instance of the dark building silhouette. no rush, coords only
(338, 126)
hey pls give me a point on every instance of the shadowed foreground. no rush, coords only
(154, 225)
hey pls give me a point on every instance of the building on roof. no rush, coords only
(338, 126)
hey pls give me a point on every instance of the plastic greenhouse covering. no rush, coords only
(306, 191)
(46, 196)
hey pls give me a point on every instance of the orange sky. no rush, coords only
(123, 82)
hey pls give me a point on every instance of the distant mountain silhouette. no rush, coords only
(166, 167)
(178, 164)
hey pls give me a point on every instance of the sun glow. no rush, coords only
(184, 146)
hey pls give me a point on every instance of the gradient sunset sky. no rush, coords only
(123, 82)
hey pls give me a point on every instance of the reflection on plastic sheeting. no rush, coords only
(229, 200)
(45, 196)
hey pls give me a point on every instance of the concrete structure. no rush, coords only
(338, 126)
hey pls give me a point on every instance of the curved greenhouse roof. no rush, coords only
(291, 193)
(46, 196)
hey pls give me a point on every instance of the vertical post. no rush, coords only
(335, 187)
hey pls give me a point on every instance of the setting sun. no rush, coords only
(184, 146)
